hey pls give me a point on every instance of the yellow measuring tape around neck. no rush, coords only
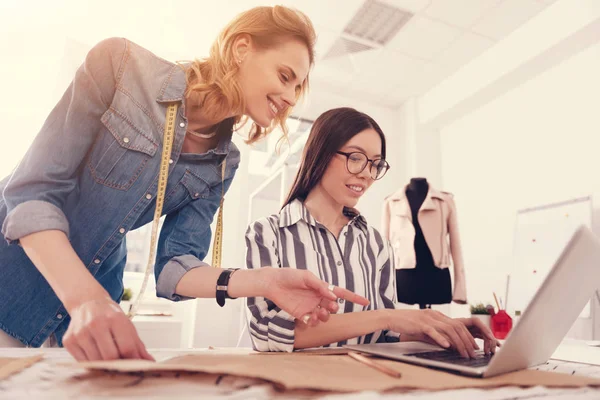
(163, 174)
(218, 243)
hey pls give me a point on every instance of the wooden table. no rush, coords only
(50, 379)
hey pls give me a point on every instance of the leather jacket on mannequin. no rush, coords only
(421, 225)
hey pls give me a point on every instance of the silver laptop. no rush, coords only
(550, 314)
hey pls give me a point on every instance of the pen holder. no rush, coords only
(501, 324)
(485, 318)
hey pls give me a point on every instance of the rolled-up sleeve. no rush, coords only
(34, 216)
(184, 241)
(172, 273)
(37, 190)
(271, 328)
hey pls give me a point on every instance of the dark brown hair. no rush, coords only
(328, 134)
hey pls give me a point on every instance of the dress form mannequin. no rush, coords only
(426, 284)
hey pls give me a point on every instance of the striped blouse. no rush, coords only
(360, 261)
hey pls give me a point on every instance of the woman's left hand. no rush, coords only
(479, 330)
(304, 296)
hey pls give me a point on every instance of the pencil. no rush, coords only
(495, 298)
(373, 364)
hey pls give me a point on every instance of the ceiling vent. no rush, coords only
(372, 27)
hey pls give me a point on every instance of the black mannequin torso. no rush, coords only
(426, 284)
(416, 192)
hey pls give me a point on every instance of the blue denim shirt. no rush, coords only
(92, 173)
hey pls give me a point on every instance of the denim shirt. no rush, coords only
(92, 172)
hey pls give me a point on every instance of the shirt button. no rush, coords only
(182, 124)
(339, 263)
(171, 161)
(196, 194)
(96, 261)
(148, 196)
(126, 140)
(341, 301)
(59, 316)
(122, 230)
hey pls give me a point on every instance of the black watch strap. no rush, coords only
(222, 286)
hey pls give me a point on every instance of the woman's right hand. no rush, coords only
(99, 330)
(433, 327)
(304, 296)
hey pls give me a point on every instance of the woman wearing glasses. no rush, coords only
(318, 229)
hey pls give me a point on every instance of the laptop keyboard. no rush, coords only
(453, 357)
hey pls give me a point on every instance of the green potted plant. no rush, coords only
(481, 312)
(126, 300)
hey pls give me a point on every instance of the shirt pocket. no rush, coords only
(196, 186)
(190, 187)
(121, 151)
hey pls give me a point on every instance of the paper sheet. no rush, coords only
(337, 373)
(10, 366)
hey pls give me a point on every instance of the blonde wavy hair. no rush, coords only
(213, 79)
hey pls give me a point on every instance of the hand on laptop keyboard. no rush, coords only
(480, 331)
(434, 327)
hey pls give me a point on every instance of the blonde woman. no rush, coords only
(90, 176)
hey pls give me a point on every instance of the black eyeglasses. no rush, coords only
(356, 162)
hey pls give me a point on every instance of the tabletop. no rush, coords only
(52, 378)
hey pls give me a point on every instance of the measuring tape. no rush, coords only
(163, 174)
(216, 254)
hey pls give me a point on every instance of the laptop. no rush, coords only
(550, 314)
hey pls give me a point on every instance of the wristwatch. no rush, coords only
(222, 286)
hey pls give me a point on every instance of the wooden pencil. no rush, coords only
(373, 364)
(498, 304)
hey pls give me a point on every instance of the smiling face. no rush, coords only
(271, 78)
(342, 186)
(324, 170)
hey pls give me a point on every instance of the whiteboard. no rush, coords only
(541, 234)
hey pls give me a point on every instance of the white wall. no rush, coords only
(535, 145)
(35, 76)
(557, 33)
(516, 127)
(420, 146)
(44, 42)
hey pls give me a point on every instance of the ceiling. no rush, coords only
(440, 37)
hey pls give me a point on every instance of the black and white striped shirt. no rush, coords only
(360, 261)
